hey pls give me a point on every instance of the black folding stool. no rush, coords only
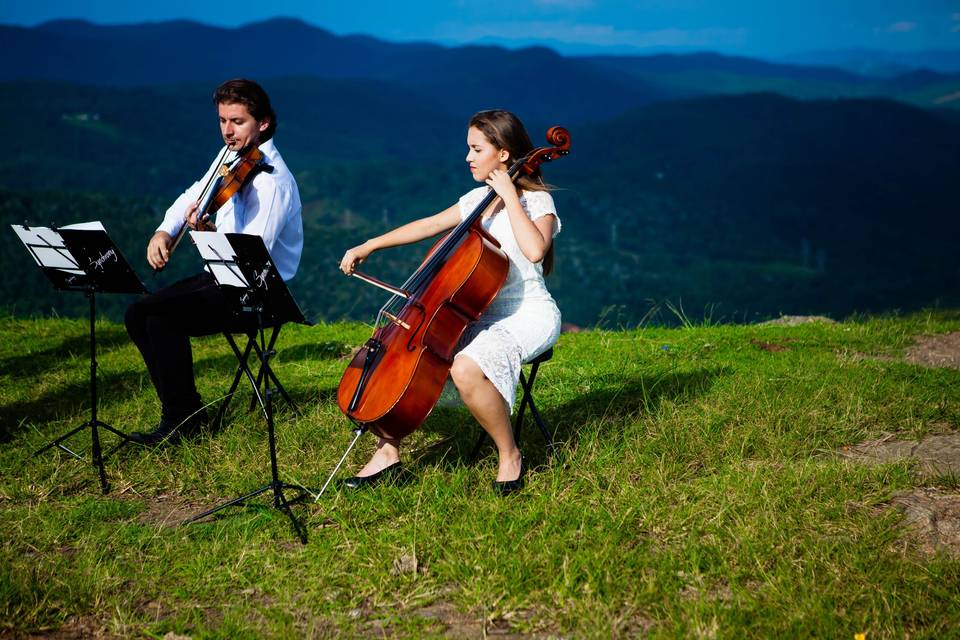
(263, 356)
(527, 401)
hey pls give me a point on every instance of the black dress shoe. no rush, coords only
(171, 431)
(507, 487)
(362, 482)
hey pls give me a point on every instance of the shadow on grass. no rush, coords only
(327, 350)
(37, 363)
(71, 399)
(244, 401)
(608, 407)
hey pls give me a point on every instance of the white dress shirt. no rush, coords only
(268, 206)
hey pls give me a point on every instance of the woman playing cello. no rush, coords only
(521, 322)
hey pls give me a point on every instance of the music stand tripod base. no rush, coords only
(242, 265)
(83, 258)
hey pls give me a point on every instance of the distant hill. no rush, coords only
(710, 73)
(757, 203)
(462, 79)
(536, 80)
(153, 139)
(727, 183)
(872, 62)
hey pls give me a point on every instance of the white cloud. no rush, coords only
(596, 34)
(903, 26)
(564, 4)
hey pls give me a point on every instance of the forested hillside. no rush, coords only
(745, 206)
(676, 193)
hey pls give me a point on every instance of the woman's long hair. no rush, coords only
(505, 131)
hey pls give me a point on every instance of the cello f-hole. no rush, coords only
(423, 317)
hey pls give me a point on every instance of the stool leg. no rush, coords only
(242, 363)
(547, 438)
(268, 371)
(477, 446)
(525, 401)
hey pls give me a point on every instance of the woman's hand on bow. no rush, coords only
(353, 257)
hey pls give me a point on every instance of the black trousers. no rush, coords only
(161, 324)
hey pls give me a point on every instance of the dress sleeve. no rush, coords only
(538, 204)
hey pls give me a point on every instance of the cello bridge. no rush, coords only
(397, 321)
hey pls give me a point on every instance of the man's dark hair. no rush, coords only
(253, 97)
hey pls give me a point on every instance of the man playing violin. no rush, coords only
(267, 205)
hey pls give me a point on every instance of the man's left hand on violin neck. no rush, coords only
(191, 219)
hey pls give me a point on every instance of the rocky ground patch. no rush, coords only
(936, 351)
(933, 515)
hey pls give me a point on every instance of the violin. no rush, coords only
(222, 185)
(395, 379)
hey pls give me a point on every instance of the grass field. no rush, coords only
(697, 493)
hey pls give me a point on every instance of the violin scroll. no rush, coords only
(559, 137)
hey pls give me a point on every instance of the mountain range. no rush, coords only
(736, 185)
(530, 79)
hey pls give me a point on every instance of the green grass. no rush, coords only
(696, 495)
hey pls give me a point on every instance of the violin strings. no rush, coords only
(214, 174)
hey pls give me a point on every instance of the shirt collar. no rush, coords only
(269, 150)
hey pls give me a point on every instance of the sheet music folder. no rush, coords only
(80, 257)
(242, 261)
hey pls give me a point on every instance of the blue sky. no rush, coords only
(749, 27)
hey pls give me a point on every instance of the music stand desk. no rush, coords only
(83, 258)
(242, 264)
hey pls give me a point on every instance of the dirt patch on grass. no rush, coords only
(939, 351)
(452, 622)
(716, 593)
(936, 351)
(933, 517)
(770, 346)
(73, 629)
(168, 510)
(461, 625)
(793, 321)
(443, 619)
(936, 455)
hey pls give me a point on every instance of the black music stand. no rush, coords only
(83, 258)
(241, 264)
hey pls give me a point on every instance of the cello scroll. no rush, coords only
(557, 136)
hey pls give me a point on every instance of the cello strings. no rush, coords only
(454, 237)
(424, 274)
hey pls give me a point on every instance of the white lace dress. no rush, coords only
(523, 320)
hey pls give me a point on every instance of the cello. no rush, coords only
(393, 382)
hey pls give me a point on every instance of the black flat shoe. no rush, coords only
(507, 487)
(362, 482)
(170, 431)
